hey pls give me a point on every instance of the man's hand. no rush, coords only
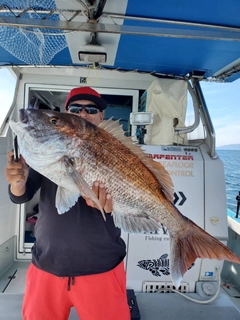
(104, 198)
(16, 174)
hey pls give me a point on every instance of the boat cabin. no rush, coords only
(148, 61)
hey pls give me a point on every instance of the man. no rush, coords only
(77, 258)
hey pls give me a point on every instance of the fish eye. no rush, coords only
(53, 120)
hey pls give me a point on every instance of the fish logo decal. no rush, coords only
(156, 266)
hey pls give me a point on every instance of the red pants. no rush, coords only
(95, 297)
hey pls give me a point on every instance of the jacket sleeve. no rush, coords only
(33, 184)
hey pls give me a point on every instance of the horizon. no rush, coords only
(232, 147)
(231, 144)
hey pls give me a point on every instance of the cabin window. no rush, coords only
(7, 89)
(121, 102)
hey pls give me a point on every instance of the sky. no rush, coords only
(223, 102)
(7, 87)
(222, 99)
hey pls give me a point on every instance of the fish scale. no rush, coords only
(131, 180)
(74, 153)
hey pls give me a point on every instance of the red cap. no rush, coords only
(86, 93)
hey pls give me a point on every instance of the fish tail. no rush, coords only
(191, 243)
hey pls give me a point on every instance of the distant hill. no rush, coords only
(229, 147)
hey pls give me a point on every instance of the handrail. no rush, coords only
(207, 119)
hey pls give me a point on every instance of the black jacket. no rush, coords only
(78, 242)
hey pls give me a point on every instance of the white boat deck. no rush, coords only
(233, 222)
(152, 306)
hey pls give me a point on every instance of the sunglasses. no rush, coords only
(77, 108)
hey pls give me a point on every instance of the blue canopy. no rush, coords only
(173, 37)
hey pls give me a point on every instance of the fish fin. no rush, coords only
(65, 199)
(193, 243)
(135, 224)
(82, 185)
(163, 177)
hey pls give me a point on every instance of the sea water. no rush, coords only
(231, 161)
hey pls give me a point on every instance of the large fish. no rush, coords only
(74, 153)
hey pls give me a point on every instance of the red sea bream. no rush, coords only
(74, 153)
